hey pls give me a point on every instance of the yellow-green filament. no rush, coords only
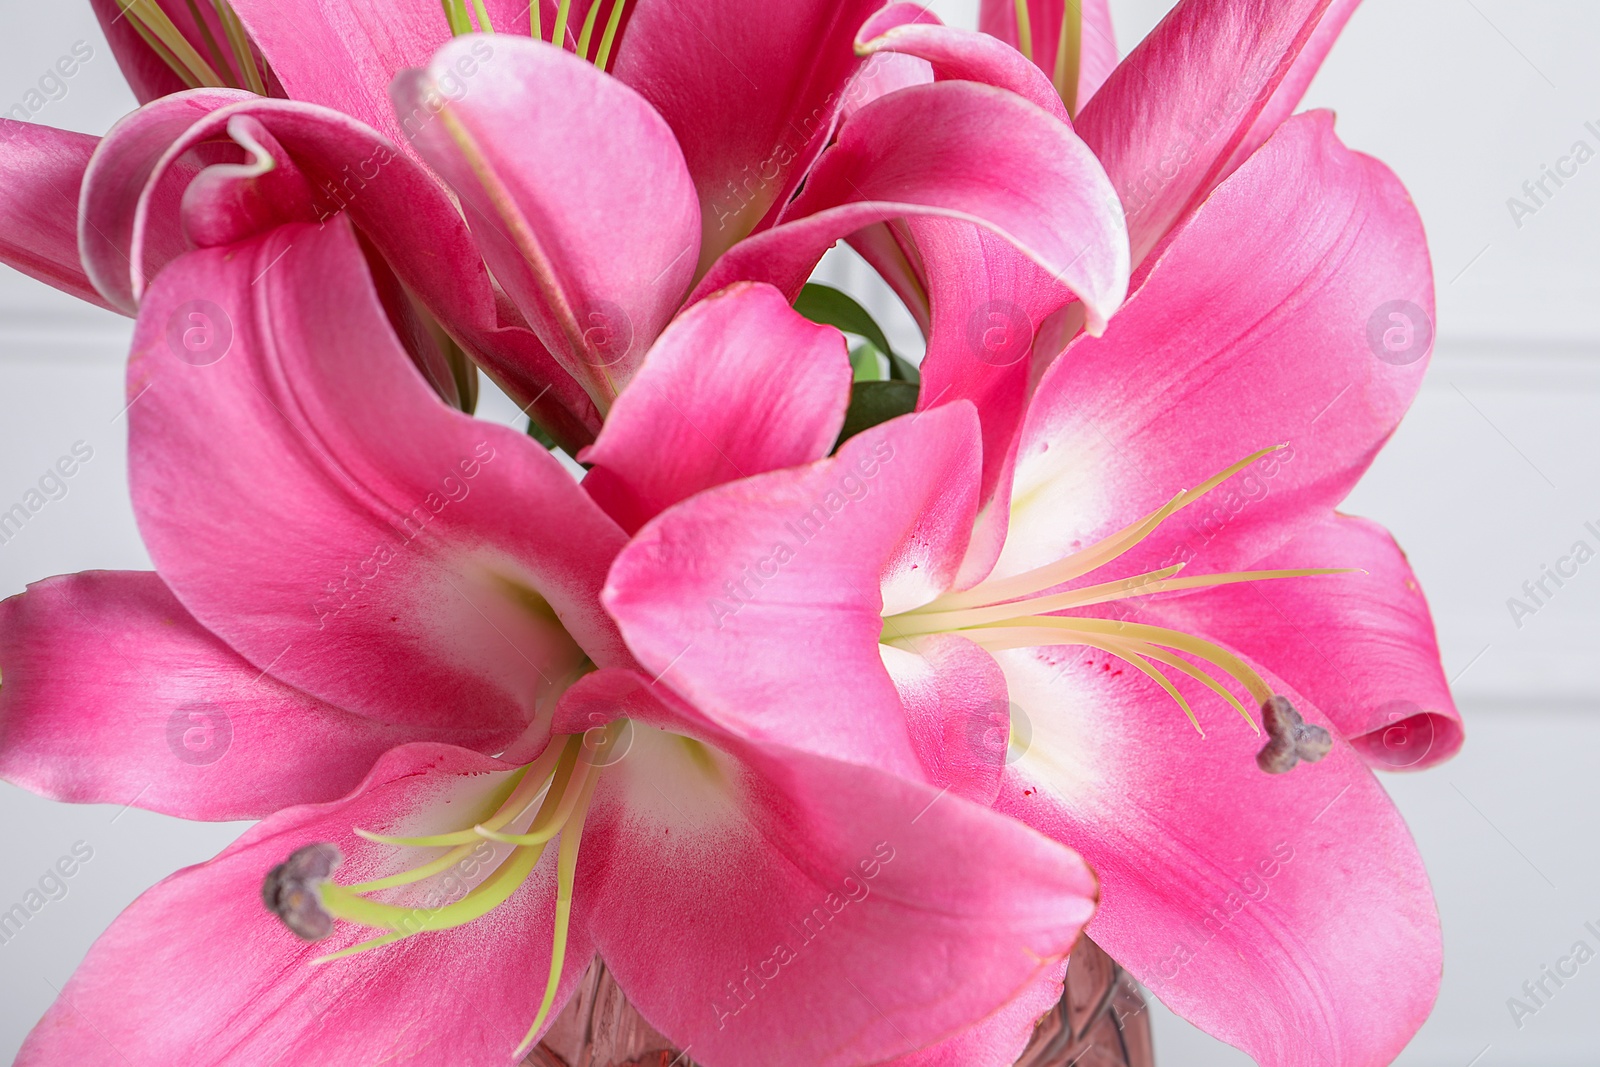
(210, 42)
(535, 30)
(546, 826)
(155, 45)
(1069, 50)
(566, 877)
(398, 918)
(1092, 558)
(608, 38)
(1161, 655)
(587, 33)
(155, 20)
(239, 41)
(558, 36)
(1126, 653)
(1065, 629)
(484, 25)
(455, 13)
(1024, 29)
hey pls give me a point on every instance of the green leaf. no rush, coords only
(875, 402)
(866, 363)
(540, 434)
(902, 369)
(827, 305)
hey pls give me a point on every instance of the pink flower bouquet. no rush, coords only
(828, 701)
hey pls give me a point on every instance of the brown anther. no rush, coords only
(1291, 738)
(290, 889)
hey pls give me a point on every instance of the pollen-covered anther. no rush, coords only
(1292, 739)
(290, 889)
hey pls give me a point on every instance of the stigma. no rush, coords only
(1026, 611)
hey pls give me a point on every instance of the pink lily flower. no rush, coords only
(545, 153)
(337, 578)
(1286, 913)
(1189, 106)
(1169, 123)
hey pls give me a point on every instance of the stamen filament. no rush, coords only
(455, 13)
(529, 782)
(484, 25)
(588, 29)
(1069, 50)
(1051, 629)
(162, 53)
(1095, 556)
(923, 621)
(480, 901)
(1024, 29)
(157, 22)
(211, 45)
(239, 41)
(566, 878)
(609, 37)
(535, 30)
(1126, 653)
(558, 36)
(545, 827)
(1161, 655)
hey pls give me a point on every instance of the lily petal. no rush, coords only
(334, 520)
(133, 225)
(876, 915)
(1289, 915)
(1197, 96)
(956, 707)
(1097, 56)
(1253, 330)
(909, 29)
(760, 602)
(113, 694)
(751, 91)
(343, 55)
(41, 170)
(929, 151)
(222, 981)
(575, 189)
(1002, 1038)
(1360, 646)
(130, 223)
(739, 384)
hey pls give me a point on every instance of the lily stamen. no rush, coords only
(1069, 50)
(1020, 611)
(561, 782)
(156, 28)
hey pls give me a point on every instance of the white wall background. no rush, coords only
(1492, 475)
